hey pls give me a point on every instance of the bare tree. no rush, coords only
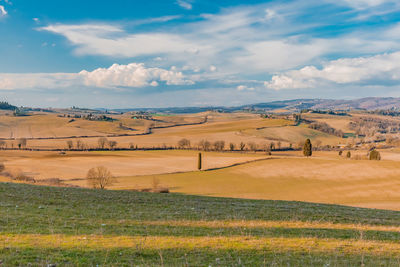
(272, 146)
(79, 144)
(242, 146)
(252, 146)
(232, 146)
(102, 141)
(317, 143)
(70, 144)
(3, 144)
(184, 143)
(112, 144)
(204, 145)
(219, 145)
(22, 143)
(100, 177)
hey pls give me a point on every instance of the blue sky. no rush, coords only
(164, 53)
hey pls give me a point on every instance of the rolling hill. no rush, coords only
(49, 226)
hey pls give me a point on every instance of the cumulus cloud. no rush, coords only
(3, 11)
(381, 69)
(131, 75)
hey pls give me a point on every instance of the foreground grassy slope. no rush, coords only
(64, 226)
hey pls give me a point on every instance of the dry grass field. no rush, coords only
(75, 164)
(324, 178)
(228, 127)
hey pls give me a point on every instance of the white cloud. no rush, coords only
(36, 20)
(367, 3)
(111, 40)
(255, 40)
(184, 4)
(12, 81)
(270, 14)
(213, 68)
(379, 70)
(3, 11)
(244, 88)
(131, 75)
(279, 54)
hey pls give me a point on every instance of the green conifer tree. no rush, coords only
(199, 162)
(307, 148)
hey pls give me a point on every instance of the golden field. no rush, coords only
(285, 175)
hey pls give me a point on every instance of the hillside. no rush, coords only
(293, 105)
(70, 227)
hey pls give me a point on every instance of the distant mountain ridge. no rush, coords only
(294, 105)
(367, 103)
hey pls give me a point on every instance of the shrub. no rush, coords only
(20, 176)
(374, 155)
(348, 155)
(340, 152)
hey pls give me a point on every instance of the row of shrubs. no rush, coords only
(372, 155)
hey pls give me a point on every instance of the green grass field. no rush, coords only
(82, 227)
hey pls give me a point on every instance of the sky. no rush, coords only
(166, 53)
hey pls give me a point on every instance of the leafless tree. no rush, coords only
(204, 145)
(70, 144)
(112, 144)
(219, 145)
(100, 177)
(317, 143)
(3, 144)
(252, 146)
(102, 141)
(79, 144)
(184, 143)
(242, 146)
(272, 146)
(232, 146)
